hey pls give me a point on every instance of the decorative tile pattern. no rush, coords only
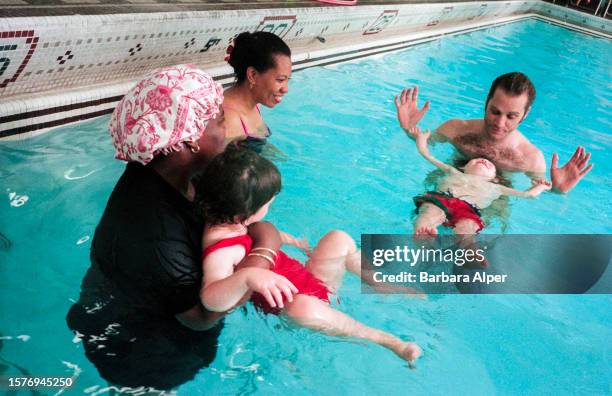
(279, 25)
(383, 20)
(16, 49)
(213, 41)
(64, 58)
(135, 49)
(190, 43)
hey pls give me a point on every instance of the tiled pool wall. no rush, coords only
(574, 18)
(57, 70)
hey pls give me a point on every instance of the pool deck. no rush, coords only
(32, 8)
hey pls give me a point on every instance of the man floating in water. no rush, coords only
(496, 137)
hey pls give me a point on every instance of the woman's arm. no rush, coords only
(223, 289)
(264, 235)
(199, 318)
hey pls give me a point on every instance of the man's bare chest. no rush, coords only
(506, 158)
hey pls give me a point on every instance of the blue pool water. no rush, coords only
(349, 166)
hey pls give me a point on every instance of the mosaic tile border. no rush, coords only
(59, 70)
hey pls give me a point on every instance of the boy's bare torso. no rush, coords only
(472, 189)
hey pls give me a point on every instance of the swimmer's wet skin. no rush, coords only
(325, 176)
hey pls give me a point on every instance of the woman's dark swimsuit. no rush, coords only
(145, 269)
(253, 142)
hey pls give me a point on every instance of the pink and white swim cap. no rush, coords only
(167, 108)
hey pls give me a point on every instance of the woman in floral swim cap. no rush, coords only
(139, 314)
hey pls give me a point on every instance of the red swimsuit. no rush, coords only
(455, 209)
(284, 265)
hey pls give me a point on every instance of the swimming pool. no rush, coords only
(349, 166)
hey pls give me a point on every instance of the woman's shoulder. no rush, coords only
(234, 124)
(231, 101)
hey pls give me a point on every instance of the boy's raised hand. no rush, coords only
(539, 186)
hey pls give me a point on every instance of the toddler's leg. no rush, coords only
(429, 218)
(337, 252)
(465, 230)
(309, 311)
(466, 227)
(334, 253)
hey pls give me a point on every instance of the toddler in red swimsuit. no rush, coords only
(239, 187)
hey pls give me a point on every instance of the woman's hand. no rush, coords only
(270, 285)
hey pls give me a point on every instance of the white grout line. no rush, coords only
(57, 116)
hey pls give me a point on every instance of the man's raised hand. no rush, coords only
(408, 113)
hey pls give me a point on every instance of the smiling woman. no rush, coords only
(262, 65)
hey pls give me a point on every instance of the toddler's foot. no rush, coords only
(426, 232)
(408, 351)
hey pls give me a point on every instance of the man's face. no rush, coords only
(504, 113)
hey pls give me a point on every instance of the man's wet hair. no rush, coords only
(235, 185)
(514, 84)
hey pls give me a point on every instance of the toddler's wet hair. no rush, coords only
(235, 185)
